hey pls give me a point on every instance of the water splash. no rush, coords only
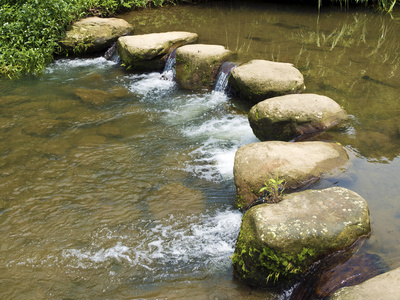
(213, 160)
(163, 248)
(214, 133)
(150, 87)
(68, 64)
(185, 109)
(221, 83)
(169, 69)
(64, 68)
(112, 54)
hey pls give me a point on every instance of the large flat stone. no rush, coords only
(197, 65)
(286, 117)
(94, 34)
(149, 52)
(260, 79)
(282, 240)
(297, 163)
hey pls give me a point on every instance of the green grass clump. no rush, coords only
(386, 5)
(29, 34)
(30, 29)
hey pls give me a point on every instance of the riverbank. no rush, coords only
(31, 29)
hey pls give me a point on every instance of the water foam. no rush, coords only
(68, 65)
(227, 127)
(165, 247)
(221, 83)
(169, 68)
(213, 160)
(193, 107)
(202, 117)
(151, 86)
(118, 252)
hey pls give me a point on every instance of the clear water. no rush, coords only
(126, 191)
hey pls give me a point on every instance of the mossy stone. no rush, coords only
(298, 164)
(197, 65)
(279, 241)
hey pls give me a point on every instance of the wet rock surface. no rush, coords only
(260, 79)
(197, 65)
(359, 268)
(339, 270)
(280, 241)
(290, 116)
(298, 164)
(149, 52)
(94, 34)
(385, 286)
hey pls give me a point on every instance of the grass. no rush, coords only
(386, 5)
(273, 189)
(31, 29)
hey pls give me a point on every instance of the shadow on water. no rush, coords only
(120, 185)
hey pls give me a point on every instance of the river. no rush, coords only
(117, 185)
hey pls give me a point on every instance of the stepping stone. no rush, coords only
(149, 52)
(260, 79)
(298, 164)
(278, 242)
(197, 65)
(290, 116)
(94, 34)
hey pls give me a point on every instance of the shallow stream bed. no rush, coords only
(126, 190)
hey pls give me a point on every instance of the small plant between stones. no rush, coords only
(272, 190)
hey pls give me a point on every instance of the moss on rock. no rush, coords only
(197, 65)
(278, 242)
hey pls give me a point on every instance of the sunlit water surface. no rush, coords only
(119, 186)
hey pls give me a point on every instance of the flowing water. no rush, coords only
(117, 185)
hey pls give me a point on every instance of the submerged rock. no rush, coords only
(297, 163)
(94, 34)
(278, 242)
(287, 117)
(357, 269)
(177, 200)
(119, 92)
(109, 131)
(149, 52)
(13, 99)
(94, 97)
(56, 147)
(62, 106)
(197, 65)
(384, 286)
(37, 126)
(261, 79)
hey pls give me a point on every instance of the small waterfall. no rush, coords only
(221, 84)
(169, 69)
(112, 54)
